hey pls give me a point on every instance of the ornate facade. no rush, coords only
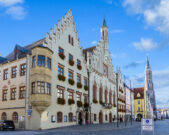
(46, 84)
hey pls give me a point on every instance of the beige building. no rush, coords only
(45, 84)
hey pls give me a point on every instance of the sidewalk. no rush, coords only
(96, 127)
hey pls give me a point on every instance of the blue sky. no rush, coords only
(137, 28)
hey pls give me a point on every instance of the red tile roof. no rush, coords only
(139, 90)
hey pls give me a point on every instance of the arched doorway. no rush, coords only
(80, 117)
(86, 117)
(139, 117)
(100, 117)
(110, 117)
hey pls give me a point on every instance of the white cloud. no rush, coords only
(10, 2)
(14, 8)
(155, 12)
(17, 12)
(94, 42)
(145, 44)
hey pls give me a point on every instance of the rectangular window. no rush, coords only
(70, 75)
(5, 74)
(33, 61)
(14, 72)
(48, 90)
(13, 93)
(41, 87)
(70, 95)
(78, 97)
(48, 62)
(4, 95)
(22, 69)
(33, 87)
(138, 102)
(78, 78)
(61, 50)
(78, 62)
(60, 93)
(60, 70)
(85, 99)
(41, 61)
(85, 82)
(22, 93)
(138, 109)
(70, 57)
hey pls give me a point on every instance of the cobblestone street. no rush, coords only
(161, 128)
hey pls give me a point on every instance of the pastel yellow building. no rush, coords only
(139, 103)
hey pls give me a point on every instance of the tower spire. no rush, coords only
(147, 63)
(104, 23)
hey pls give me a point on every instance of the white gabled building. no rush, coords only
(68, 101)
(102, 78)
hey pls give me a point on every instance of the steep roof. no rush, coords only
(21, 51)
(90, 49)
(140, 91)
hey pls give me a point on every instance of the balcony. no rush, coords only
(40, 101)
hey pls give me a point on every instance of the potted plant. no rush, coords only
(95, 101)
(86, 88)
(79, 103)
(71, 81)
(61, 101)
(61, 78)
(71, 101)
(101, 102)
(86, 105)
(62, 56)
(79, 85)
(71, 62)
(79, 67)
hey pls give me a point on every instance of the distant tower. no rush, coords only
(104, 34)
(149, 85)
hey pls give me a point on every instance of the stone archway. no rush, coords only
(139, 116)
(110, 117)
(100, 117)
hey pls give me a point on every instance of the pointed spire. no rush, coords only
(104, 23)
(147, 63)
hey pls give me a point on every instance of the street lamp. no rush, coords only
(117, 89)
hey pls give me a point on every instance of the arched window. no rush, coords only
(59, 117)
(70, 117)
(69, 39)
(3, 116)
(101, 93)
(114, 98)
(72, 41)
(106, 95)
(95, 91)
(15, 117)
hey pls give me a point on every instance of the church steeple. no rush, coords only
(148, 64)
(104, 34)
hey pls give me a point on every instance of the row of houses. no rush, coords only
(53, 82)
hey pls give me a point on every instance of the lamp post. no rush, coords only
(131, 103)
(88, 73)
(117, 89)
(125, 99)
